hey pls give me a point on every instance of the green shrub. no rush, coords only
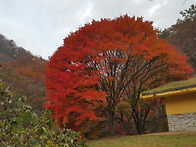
(20, 126)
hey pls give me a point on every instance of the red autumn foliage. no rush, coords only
(29, 66)
(73, 95)
(98, 62)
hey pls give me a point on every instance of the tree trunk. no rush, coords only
(138, 126)
(137, 121)
(111, 123)
(140, 119)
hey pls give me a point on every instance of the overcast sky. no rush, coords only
(41, 25)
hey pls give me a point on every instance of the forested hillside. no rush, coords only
(22, 72)
(183, 34)
(10, 51)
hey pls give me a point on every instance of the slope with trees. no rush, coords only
(183, 34)
(10, 51)
(19, 65)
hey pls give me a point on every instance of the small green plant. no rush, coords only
(20, 126)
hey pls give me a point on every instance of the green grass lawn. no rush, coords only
(178, 140)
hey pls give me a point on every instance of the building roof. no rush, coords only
(174, 88)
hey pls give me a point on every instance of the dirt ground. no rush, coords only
(172, 133)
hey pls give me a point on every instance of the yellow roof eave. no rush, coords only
(169, 93)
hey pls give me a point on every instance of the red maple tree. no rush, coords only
(106, 62)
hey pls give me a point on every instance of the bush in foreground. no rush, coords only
(20, 126)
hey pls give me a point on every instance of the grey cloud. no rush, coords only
(41, 25)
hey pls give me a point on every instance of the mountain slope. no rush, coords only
(10, 51)
(183, 34)
(23, 73)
